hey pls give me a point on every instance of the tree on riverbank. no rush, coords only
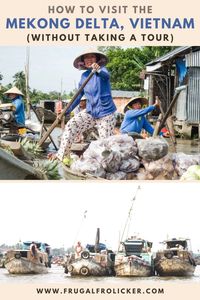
(125, 65)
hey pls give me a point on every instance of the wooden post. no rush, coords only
(151, 96)
(170, 128)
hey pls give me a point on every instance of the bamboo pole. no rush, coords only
(27, 83)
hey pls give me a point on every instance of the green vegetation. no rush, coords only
(125, 65)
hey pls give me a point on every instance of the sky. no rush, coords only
(54, 212)
(48, 65)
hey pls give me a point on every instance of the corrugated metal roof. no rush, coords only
(124, 94)
(171, 54)
(193, 59)
(193, 100)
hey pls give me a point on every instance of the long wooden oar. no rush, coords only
(59, 117)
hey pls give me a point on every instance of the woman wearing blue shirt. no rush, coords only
(15, 95)
(134, 119)
(100, 107)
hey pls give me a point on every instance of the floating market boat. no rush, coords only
(46, 115)
(197, 259)
(95, 260)
(14, 168)
(175, 259)
(135, 259)
(2, 260)
(27, 261)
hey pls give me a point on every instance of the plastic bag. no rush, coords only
(130, 165)
(160, 169)
(111, 161)
(152, 148)
(90, 166)
(183, 161)
(116, 176)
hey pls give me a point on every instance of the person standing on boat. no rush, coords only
(100, 107)
(78, 250)
(33, 249)
(134, 120)
(15, 95)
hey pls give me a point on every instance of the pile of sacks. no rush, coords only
(120, 157)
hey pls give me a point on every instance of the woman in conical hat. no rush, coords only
(143, 101)
(100, 107)
(15, 95)
(134, 119)
(14, 90)
(100, 58)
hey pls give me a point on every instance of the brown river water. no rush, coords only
(56, 275)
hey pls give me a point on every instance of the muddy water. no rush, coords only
(186, 146)
(56, 275)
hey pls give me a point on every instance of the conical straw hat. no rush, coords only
(14, 90)
(143, 101)
(102, 59)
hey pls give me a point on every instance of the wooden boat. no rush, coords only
(14, 140)
(90, 264)
(135, 259)
(175, 259)
(17, 149)
(197, 259)
(68, 174)
(24, 262)
(45, 114)
(2, 260)
(13, 168)
(95, 260)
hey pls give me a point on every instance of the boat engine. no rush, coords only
(7, 119)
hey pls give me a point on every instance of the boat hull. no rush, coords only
(174, 267)
(25, 262)
(97, 265)
(132, 267)
(24, 266)
(45, 114)
(13, 168)
(87, 268)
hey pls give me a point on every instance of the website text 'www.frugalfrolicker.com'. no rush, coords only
(102, 291)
